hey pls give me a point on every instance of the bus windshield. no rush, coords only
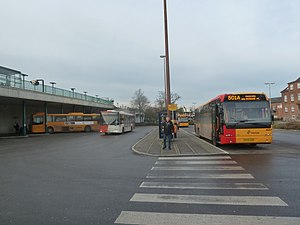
(183, 119)
(111, 118)
(247, 112)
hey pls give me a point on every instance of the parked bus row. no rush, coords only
(107, 122)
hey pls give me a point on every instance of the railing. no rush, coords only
(17, 82)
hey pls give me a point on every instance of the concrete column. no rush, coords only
(46, 112)
(24, 125)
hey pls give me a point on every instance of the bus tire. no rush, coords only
(50, 130)
(87, 129)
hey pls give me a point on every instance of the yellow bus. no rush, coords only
(183, 120)
(75, 121)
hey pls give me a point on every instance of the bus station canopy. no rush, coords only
(8, 71)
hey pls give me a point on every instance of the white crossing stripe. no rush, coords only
(188, 185)
(153, 218)
(204, 176)
(194, 158)
(226, 162)
(207, 199)
(197, 168)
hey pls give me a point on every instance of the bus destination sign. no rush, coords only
(245, 97)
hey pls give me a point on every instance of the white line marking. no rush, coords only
(207, 199)
(187, 185)
(197, 168)
(207, 176)
(205, 142)
(227, 162)
(154, 218)
(194, 158)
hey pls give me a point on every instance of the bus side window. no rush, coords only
(49, 119)
(87, 118)
(78, 118)
(70, 118)
(60, 119)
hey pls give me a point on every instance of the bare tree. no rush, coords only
(139, 101)
(160, 99)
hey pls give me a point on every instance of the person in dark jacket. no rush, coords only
(168, 128)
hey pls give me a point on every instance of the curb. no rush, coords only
(221, 151)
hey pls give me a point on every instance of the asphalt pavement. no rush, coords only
(186, 144)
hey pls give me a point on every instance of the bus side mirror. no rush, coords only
(272, 117)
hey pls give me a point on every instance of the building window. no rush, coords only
(286, 109)
(291, 87)
(292, 109)
(298, 85)
(292, 98)
(298, 96)
(285, 98)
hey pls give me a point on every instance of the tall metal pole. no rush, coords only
(270, 96)
(164, 58)
(167, 78)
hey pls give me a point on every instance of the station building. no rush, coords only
(20, 99)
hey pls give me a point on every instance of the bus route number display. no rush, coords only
(245, 97)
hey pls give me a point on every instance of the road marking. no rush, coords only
(190, 147)
(227, 162)
(206, 176)
(176, 149)
(195, 158)
(154, 218)
(197, 168)
(194, 136)
(206, 199)
(187, 185)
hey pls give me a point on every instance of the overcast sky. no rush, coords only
(111, 47)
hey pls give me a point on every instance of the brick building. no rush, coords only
(277, 108)
(291, 101)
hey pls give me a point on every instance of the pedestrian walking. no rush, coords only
(168, 129)
(17, 127)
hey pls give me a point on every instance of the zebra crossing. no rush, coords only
(197, 174)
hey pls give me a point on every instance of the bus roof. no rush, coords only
(222, 97)
(66, 114)
(116, 111)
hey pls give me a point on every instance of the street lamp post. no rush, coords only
(168, 92)
(23, 80)
(85, 95)
(37, 82)
(164, 58)
(73, 89)
(52, 84)
(270, 94)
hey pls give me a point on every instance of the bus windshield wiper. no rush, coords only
(245, 120)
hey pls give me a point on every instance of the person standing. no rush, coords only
(168, 128)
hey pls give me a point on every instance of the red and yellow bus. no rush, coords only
(75, 121)
(241, 118)
(118, 122)
(183, 120)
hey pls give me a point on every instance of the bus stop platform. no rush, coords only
(186, 144)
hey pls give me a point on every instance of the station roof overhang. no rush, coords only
(8, 71)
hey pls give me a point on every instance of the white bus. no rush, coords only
(113, 121)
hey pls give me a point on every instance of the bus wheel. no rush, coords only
(87, 129)
(50, 130)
